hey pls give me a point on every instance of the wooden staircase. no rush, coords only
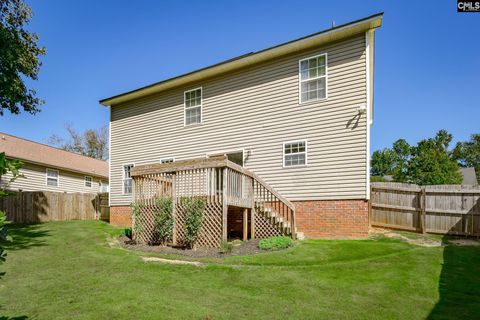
(222, 184)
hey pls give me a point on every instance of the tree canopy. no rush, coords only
(19, 58)
(91, 143)
(427, 163)
(468, 153)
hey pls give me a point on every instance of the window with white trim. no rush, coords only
(127, 179)
(167, 160)
(295, 153)
(103, 186)
(52, 177)
(193, 106)
(313, 78)
(88, 181)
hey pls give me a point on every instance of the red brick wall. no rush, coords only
(121, 216)
(336, 219)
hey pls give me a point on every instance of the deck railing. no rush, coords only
(220, 182)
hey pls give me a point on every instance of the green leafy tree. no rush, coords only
(19, 58)
(91, 143)
(12, 167)
(382, 162)
(431, 162)
(391, 161)
(468, 153)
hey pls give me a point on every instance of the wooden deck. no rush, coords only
(222, 184)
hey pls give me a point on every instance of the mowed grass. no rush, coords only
(67, 270)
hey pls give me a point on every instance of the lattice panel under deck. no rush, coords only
(264, 227)
(211, 232)
(144, 225)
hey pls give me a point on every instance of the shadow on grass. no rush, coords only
(13, 318)
(459, 285)
(25, 236)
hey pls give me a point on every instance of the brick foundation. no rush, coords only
(121, 216)
(332, 219)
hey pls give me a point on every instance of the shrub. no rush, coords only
(164, 219)
(136, 223)
(275, 243)
(128, 232)
(193, 209)
(226, 247)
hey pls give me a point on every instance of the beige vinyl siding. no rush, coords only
(34, 179)
(258, 109)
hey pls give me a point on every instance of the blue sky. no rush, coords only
(427, 74)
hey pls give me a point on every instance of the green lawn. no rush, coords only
(67, 270)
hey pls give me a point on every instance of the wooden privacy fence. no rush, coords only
(42, 206)
(444, 209)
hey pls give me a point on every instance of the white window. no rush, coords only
(127, 179)
(88, 181)
(167, 160)
(295, 153)
(313, 78)
(52, 178)
(103, 186)
(193, 106)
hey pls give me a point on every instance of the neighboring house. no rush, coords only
(47, 168)
(469, 176)
(297, 114)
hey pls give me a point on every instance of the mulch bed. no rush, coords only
(242, 249)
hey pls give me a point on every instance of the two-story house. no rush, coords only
(298, 115)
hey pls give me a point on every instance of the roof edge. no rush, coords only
(318, 38)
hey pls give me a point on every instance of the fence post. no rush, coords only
(423, 204)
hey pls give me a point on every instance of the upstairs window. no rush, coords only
(52, 177)
(193, 106)
(295, 153)
(88, 181)
(167, 160)
(313, 78)
(127, 179)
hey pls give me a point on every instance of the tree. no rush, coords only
(19, 58)
(391, 161)
(91, 143)
(468, 153)
(12, 167)
(429, 162)
(382, 162)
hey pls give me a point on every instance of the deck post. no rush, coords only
(225, 204)
(174, 210)
(252, 212)
(245, 224)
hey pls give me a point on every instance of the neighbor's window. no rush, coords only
(88, 181)
(295, 153)
(127, 179)
(167, 160)
(52, 178)
(193, 106)
(313, 78)
(103, 186)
